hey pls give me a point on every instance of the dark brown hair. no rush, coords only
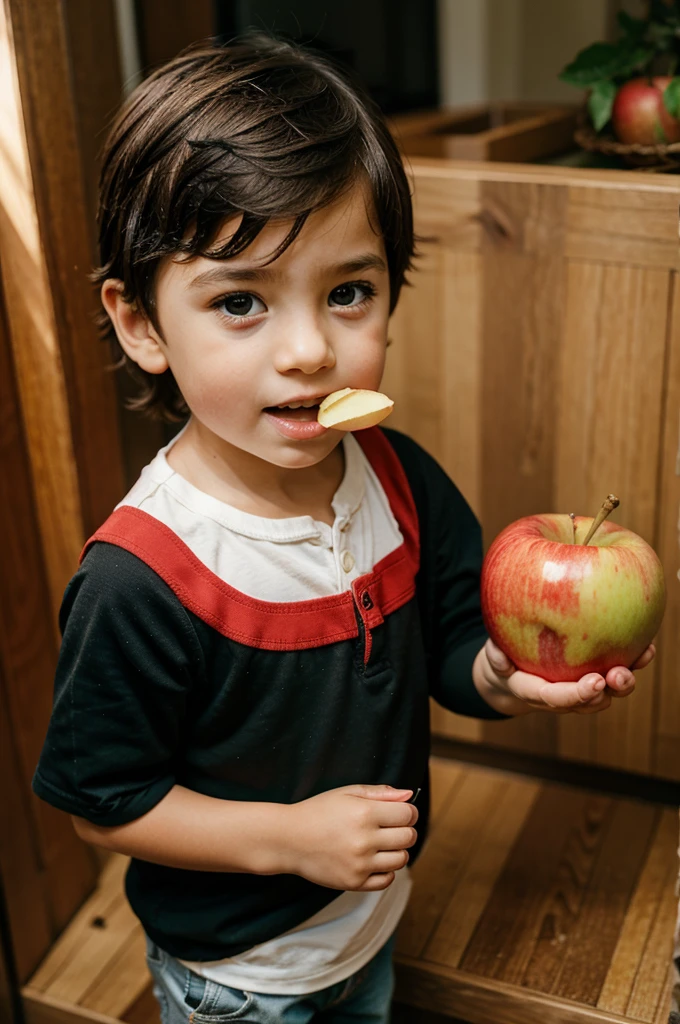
(260, 127)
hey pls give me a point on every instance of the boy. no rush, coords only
(249, 645)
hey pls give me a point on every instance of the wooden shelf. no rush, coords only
(533, 903)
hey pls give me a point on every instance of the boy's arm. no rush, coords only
(352, 838)
(202, 833)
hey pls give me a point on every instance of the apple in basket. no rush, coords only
(563, 595)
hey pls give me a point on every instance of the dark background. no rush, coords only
(391, 44)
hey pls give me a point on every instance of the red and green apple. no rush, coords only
(639, 114)
(560, 608)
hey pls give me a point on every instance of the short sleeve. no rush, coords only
(448, 583)
(128, 658)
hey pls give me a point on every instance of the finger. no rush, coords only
(392, 860)
(618, 678)
(498, 660)
(375, 882)
(378, 792)
(391, 815)
(645, 657)
(573, 694)
(556, 695)
(620, 682)
(592, 707)
(396, 839)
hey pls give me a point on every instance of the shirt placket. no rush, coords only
(366, 600)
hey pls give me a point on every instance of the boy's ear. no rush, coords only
(137, 336)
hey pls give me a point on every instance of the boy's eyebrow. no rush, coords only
(223, 272)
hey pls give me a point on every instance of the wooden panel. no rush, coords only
(120, 985)
(92, 38)
(42, 58)
(450, 992)
(449, 848)
(34, 336)
(667, 746)
(39, 1009)
(654, 966)
(608, 440)
(522, 316)
(592, 941)
(538, 358)
(46, 869)
(651, 896)
(27, 910)
(532, 883)
(416, 368)
(97, 90)
(479, 874)
(88, 928)
(577, 927)
(634, 227)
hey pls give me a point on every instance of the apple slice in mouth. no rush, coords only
(354, 409)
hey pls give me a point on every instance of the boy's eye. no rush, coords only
(351, 294)
(241, 304)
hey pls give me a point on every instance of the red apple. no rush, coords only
(559, 608)
(639, 114)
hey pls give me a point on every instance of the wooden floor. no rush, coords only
(533, 903)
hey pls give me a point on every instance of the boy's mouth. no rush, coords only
(306, 411)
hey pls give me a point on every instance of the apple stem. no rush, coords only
(573, 527)
(608, 505)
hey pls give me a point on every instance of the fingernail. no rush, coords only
(620, 679)
(600, 684)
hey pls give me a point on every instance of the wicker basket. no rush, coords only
(661, 157)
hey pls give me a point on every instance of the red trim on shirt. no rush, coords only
(286, 625)
(390, 472)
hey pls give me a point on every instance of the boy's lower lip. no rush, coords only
(298, 429)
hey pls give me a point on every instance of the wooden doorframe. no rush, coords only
(59, 434)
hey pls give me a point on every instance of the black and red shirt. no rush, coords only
(168, 675)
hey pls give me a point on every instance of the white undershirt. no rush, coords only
(291, 560)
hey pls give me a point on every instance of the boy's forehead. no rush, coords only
(345, 224)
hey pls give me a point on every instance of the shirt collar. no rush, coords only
(346, 501)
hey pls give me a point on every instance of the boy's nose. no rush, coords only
(304, 347)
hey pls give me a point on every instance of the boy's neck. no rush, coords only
(251, 484)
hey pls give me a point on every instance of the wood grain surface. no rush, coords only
(537, 356)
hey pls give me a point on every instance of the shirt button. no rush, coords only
(347, 561)
(367, 600)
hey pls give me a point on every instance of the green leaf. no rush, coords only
(630, 60)
(605, 60)
(591, 65)
(671, 97)
(600, 103)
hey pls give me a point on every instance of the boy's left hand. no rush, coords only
(514, 692)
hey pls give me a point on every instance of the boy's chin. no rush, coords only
(300, 455)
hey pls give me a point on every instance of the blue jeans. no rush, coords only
(363, 998)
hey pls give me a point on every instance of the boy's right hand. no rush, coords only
(352, 838)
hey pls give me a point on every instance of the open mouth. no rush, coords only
(303, 411)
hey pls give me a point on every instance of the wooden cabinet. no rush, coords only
(537, 356)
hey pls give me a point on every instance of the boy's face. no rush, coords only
(244, 339)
